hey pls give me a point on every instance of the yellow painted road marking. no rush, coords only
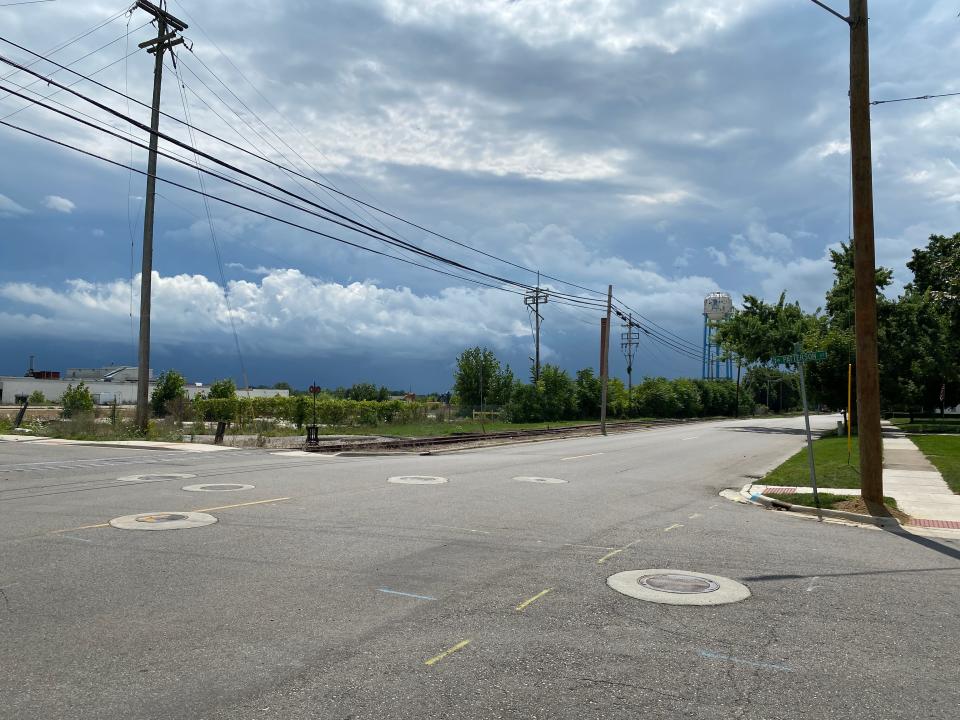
(577, 457)
(450, 651)
(539, 595)
(673, 527)
(221, 507)
(609, 555)
(246, 504)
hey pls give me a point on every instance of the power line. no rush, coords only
(213, 237)
(240, 206)
(294, 172)
(917, 97)
(343, 221)
(26, 2)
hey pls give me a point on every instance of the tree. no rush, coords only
(37, 398)
(223, 389)
(362, 391)
(77, 401)
(479, 374)
(588, 393)
(558, 392)
(170, 387)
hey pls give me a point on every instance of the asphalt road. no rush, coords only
(325, 591)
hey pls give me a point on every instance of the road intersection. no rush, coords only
(326, 591)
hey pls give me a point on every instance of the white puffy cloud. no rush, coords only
(285, 312)
(10, 208)
(59, 204)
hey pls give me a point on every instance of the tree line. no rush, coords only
(481, 380)
(918, 332)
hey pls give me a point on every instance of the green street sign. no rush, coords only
(801, 357)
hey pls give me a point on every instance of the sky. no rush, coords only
(670, 149)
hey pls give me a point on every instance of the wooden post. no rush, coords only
(605, 360)
(865, 299)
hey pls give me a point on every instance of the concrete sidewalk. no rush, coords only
(917, 486)
(909, 478)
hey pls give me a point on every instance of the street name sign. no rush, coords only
(800, 357)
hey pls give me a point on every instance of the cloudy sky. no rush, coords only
(669, 148)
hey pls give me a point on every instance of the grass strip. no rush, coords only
(830, 459)
(944, 453)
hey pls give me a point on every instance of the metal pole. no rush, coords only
(146, 267)
(605, 362)
(806, 420)
(865, 299)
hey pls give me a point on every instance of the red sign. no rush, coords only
(314, 390)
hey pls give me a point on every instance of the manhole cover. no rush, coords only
(217, 487)
(157, 477)
(678, 587)
(678, 583)
(163, 521)
(417, 480)
(535, 479)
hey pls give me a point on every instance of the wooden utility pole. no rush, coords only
(865, 298)
(533, 301)
(629, 341)
(604, 360)
(167, 28)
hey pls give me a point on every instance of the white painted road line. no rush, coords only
(577, 457)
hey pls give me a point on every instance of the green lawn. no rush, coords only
(830, 455)
(944, 452)
(928, 425)
(827, 500)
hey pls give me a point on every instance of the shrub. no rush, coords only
(37, 398)
(77, 401)
(169, 387)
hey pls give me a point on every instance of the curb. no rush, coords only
(763, 500)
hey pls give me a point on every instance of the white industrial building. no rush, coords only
(114, 383)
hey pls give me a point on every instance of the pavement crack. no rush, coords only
(6, 601)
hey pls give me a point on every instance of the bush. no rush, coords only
(77, 401)
(169, 388)
(223, 389)
(37, 398)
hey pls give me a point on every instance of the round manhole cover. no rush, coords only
(678, 587)
(157, 477)
(417, 480)
(537, 479)
(163, 521)
(679, 583)
(217, 487)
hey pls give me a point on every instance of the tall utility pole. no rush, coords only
(629, 341)
(605, 360)
(864, 262)
(534, 300)
(167, 28)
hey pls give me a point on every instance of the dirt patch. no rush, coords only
(859, 505)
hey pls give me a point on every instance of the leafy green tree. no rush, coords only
(655, 397)
(225, 389)
(169, 387)
(558, 392)
(479, 373)
(77, 401)
(588, 391)
(362, 391)
(37, 398)
(526, 403)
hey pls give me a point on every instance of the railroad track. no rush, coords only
(475, 437)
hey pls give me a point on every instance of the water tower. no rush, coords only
(717, 306)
